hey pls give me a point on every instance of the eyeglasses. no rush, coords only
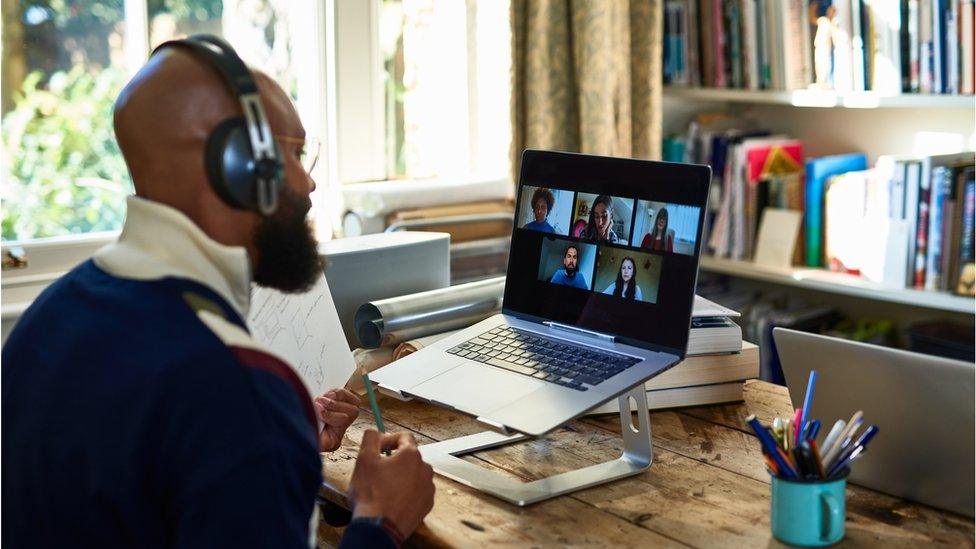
(310, 147)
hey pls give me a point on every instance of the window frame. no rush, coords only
(314, 34)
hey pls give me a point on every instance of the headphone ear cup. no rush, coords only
(230, 164)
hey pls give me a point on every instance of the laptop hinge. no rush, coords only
(579, 331)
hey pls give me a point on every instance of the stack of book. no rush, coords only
(888, 46)
(715, 367)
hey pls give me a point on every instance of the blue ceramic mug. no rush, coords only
(810, 513)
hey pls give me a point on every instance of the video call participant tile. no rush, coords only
(628, 274)
(545, 210)
(567, 263)
(602, 218)
(666, 227)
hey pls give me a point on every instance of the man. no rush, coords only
(569, 275)
(137, 409)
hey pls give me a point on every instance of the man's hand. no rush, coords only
(399, 487)
(337, 408)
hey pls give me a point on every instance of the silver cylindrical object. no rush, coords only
(398, 319)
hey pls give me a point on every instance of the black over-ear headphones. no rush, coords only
(242, 158)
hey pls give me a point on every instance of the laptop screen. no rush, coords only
(609, 245)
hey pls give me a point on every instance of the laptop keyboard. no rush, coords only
(549, 360)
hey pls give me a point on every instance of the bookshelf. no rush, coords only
(821, 98)
(839, 284)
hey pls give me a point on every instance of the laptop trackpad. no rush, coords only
(476, 389)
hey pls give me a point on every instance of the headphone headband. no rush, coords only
(238, 77)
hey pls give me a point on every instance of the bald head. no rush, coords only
(162, 120)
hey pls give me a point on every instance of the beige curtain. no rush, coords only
(586, 77)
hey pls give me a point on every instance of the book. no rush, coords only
(713, 335)
(775, 162)
(681, 397)
(966, 37)
(706, 369)
(818, 170)
(966, 269)
(844, 207)
(705, 308)
(699, 380)
(913, 47)
(462, 232)
(937, 205)
(885, 16)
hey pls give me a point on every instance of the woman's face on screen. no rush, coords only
(540, 209)
(627, 270)
(601, 218)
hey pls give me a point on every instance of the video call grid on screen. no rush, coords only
(658, 227)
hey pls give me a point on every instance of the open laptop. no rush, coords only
(923, 406)
(568, 339)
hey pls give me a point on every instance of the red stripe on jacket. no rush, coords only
(268, 363)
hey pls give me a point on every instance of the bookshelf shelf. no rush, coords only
(839, 283)
(822, 98)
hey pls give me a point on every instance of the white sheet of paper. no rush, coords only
(304, 329)
(777, 237)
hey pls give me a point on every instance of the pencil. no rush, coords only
(371, 396)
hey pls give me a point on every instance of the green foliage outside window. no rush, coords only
(64, 170)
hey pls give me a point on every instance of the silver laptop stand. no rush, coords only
(445, 458)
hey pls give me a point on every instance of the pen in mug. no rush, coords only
(835, 432)
(861, 442)
(774, 451)
(807, 403)
(845, 437)
(814, 429)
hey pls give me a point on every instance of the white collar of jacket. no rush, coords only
(158, 241)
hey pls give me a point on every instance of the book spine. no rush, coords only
(922, 228)
(912, 185)
(939, 76)
(693, 43)
(848, 47)
(762, 43)
(885, 28)
(925, 45)
(868, 24)
(952, 47)
(807, 39)
(750, 50)
(903, 48)
(734, 19)
(718, 37)
(966, 36)
(967, 252)
(947, 256)
(913, 46)
(707, 49)
(933, 260)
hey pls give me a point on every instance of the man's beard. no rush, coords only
(570, 272)
(288, 257)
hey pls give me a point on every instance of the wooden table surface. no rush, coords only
(707, 487)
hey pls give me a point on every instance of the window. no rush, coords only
(64, 62)
(437, 79)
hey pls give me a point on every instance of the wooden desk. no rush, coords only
(707, 487)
